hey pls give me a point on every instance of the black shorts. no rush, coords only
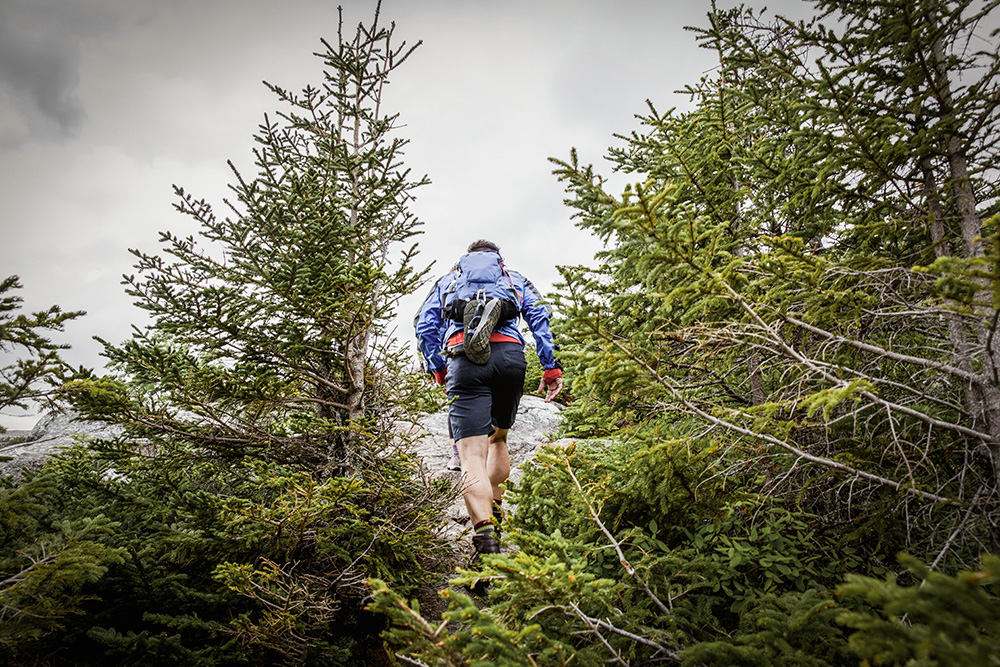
(486, 396)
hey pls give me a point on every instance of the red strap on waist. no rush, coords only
(495, 337)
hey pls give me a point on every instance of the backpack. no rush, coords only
(481, 276)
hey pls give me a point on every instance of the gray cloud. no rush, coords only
(41, 82)
(42, 46)
(39, 75)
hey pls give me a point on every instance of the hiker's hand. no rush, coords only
(551, 389)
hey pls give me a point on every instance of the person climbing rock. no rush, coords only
(468, 336)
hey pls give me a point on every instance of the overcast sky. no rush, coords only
(105, 104)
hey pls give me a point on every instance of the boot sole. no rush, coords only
(477, 345)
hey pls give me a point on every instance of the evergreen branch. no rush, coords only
(428, 631)
(829, 463)
(596, 622)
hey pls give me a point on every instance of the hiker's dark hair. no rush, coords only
(483, 244)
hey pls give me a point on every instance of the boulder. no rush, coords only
(20, 450)
(535, 425)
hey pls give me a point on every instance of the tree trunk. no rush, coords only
(958, 162)
(956, 332)
(357, 354)
(970, 228)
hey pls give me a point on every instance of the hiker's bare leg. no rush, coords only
(478, 491)
(498, 462)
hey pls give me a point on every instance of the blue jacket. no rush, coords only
(434, 329)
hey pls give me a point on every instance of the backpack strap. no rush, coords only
(510, 280)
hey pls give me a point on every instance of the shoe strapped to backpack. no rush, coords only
(479, 320)
(480, 295)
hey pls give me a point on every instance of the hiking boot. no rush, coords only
(483, 543)
(479, 320)
(481, 588)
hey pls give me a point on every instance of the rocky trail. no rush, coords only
(536, 422)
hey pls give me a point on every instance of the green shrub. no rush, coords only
(941, 621)
(640, 551)
(244, 564)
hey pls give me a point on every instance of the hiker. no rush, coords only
(468, 335)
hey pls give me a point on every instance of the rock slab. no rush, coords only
(535, 425)
(24, 450)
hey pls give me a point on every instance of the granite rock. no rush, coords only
(536, 422)
(25, 450)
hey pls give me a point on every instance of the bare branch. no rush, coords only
(596, 622)
(829, 463)
(888, 354)
(618, 548)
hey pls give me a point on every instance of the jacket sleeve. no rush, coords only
(537, 316)
(430, 326)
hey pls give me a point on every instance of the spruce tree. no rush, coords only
(32, 368)
(267, 334)
(44, 559)
(261, 475)
(764, 275)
